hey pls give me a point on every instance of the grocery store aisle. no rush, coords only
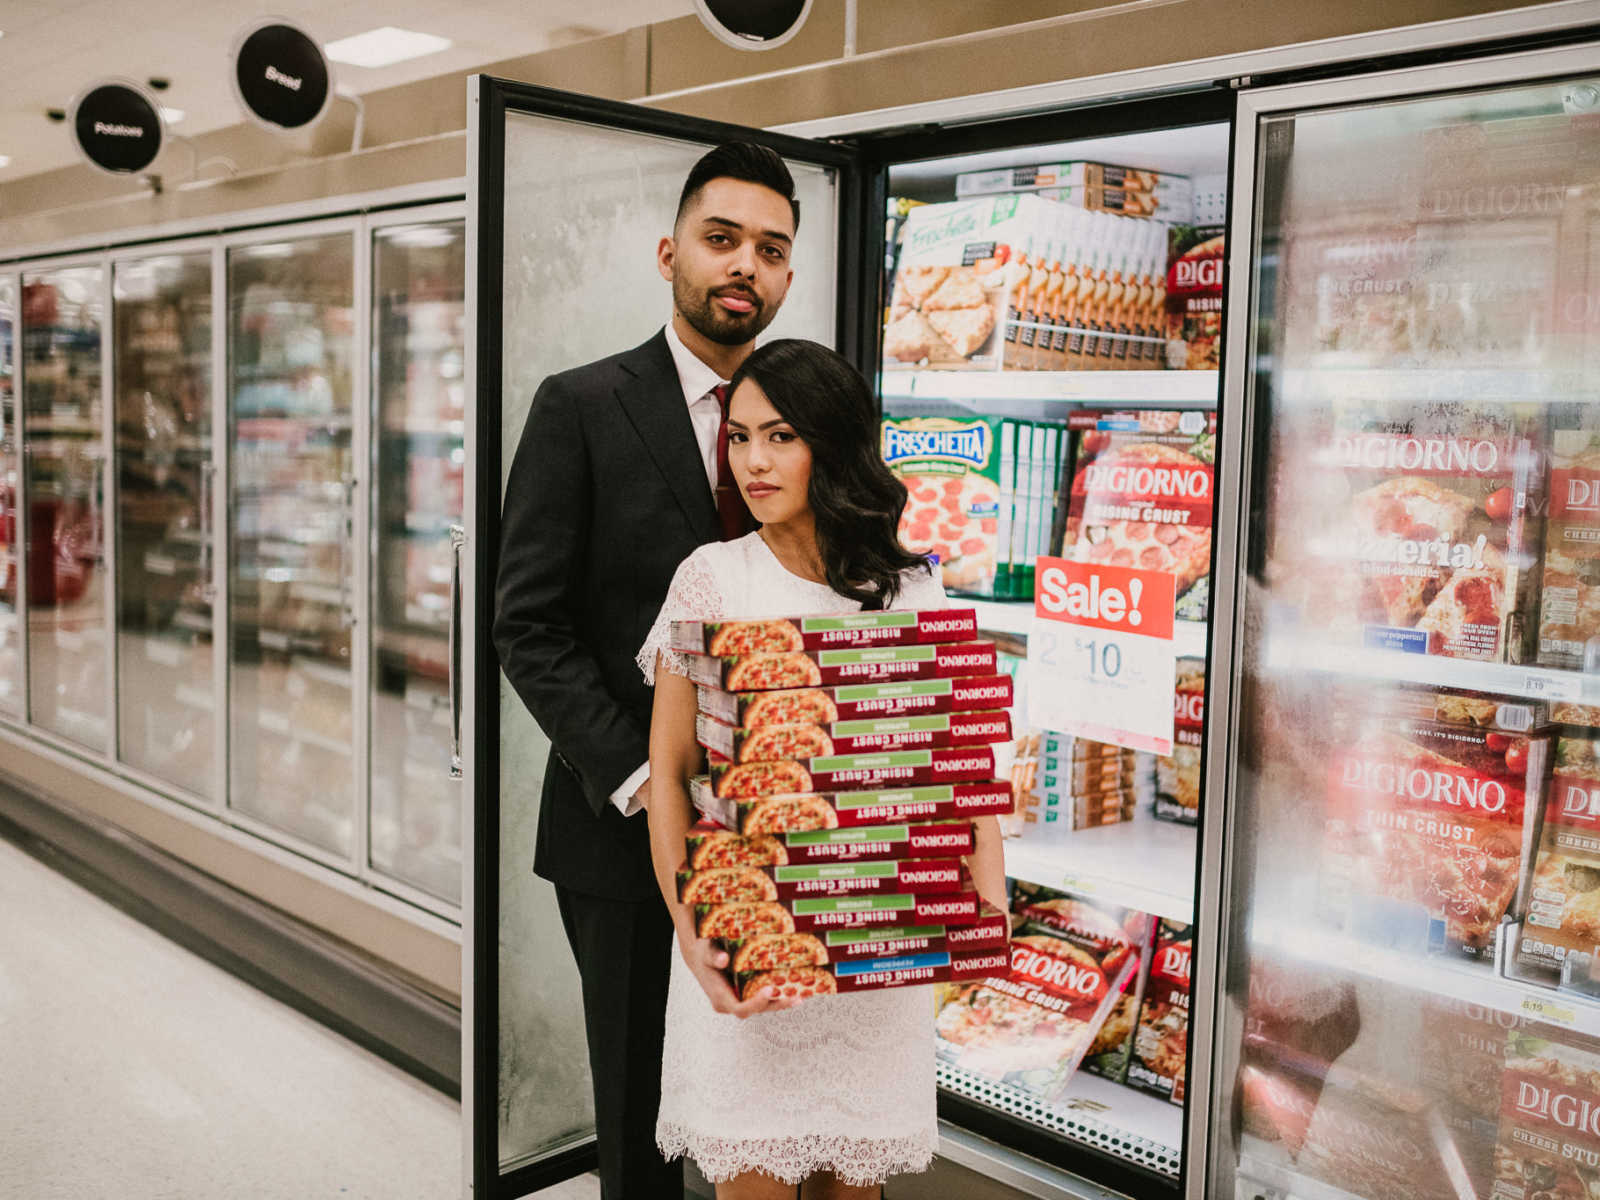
(134, 1069)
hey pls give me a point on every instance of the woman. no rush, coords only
(837, 1094)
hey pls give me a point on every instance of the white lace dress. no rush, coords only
(838, 1083)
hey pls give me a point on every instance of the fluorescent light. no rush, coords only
(385, 47)
(5, 160)
(172, 115)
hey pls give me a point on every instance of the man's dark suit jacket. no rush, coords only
(607, 495)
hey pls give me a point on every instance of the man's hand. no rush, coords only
(706, 963)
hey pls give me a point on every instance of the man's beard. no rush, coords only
(715, 323)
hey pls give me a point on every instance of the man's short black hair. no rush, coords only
(741, 160)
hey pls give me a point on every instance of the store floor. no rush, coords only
(134, 1070)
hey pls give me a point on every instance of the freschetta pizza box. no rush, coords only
(871, 974)
(805, 740)
(712, 846)
(912, 876)
(816, 913)
(894, 768)
(770, 951)
(795, 812)
(830, 668)
(785, 634)
(857, 702)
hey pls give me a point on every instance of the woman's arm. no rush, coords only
(674, 758)
(987, 862)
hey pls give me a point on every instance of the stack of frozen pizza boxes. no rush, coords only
(847, 757)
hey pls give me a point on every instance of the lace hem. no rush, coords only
(693, 596)
(859, 1162)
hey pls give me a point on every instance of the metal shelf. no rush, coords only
(1165, 388)
(1143, 863)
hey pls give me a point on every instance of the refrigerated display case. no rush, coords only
(1407, 1004)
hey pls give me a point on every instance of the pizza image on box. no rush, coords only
(951, 470)
(856, 702)
(1563, 907)
(784, 635)
(726, 885)
(746, 780)
(815, 668)
(742, 920)
(789, 983)
(1569, 600)
(1142, 496)
(787, 814)
(1548, 1146)
(711, 847)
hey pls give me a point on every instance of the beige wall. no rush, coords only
(907, 51)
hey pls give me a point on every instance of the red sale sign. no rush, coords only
(1122, 599)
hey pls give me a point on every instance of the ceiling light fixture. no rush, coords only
(5, 161)
(172, 115)
(384, 47)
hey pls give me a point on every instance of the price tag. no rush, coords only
(1541, 1009)
(1541, 685)
(1101, 659)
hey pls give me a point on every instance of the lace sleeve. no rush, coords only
(693, 596)
(921, 589)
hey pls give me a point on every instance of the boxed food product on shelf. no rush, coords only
(899, 768)
(1141, 496)
(1430, 801)
(739, 919)
(871, 975)
(1435, 548)
(712, 846)
(1178, 774)
(1549, 1138)
(1066, 174)
(768, 951)
(830, 668)
(856, 702)
(1562, 912)
(782, 635)
(959, 265)
(808, 811)
(1194, 296)
(1569, 600)
(734, 885)
(805, 739)
(1111, 933)
(1108, 1056)
(1463, 1056)
(1160, 1043)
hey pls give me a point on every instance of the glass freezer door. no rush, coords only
(1411, 996)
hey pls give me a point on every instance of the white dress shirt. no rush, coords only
(705, 413)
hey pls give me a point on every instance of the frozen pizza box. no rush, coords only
(812, 914)
(830, 668)
(1569, 600)
(1142, 496)
(840, 772)
(802, 811)
(1067, 175)
(1463, 1055)
(785, 634)
(712, 846)
(1425, 536)
(769, 951)
(1160, 1042)
(870, 975)
(1082, 777)
(961, 495)
(1195, 256)
(1428, 822)
(857, 702)
(1178, 774)
(739, 885)
(1110, 933)
(1549, 1137)
(958, 267)
(805, 739)
(1562, 912)
(1112, 1049)
(1030, 1027)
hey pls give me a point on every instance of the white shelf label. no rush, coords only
(1101, 659)
(1541, 685)
(1541, 1009)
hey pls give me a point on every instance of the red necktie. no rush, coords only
(732, 516)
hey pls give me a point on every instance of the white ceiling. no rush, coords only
(51, 49)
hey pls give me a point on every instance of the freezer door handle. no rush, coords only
(347, 518)
(458, 539)
(208, 475)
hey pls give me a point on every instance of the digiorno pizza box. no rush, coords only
(1160, 1042)
(804, 740)
(784, 634)
(871, 975)
(1431, 539)
(912, 876)
(1562, 912)
(1569, 600)
(1178, 774)
(811, 810)
(814, 913)
(712, 846)
(1549, 1137)
(826, 668)
(1142, 496)
(893, 768)
(856, 702)
(766, 951)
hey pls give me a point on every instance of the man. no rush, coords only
(620, 473)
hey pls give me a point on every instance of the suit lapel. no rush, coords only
(652, 399)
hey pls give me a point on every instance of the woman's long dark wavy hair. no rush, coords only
(855, 498)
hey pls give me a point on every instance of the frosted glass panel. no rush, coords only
(585, 208)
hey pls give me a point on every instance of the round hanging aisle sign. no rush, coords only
(753, 24)
(117, 126)
(280, 75)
